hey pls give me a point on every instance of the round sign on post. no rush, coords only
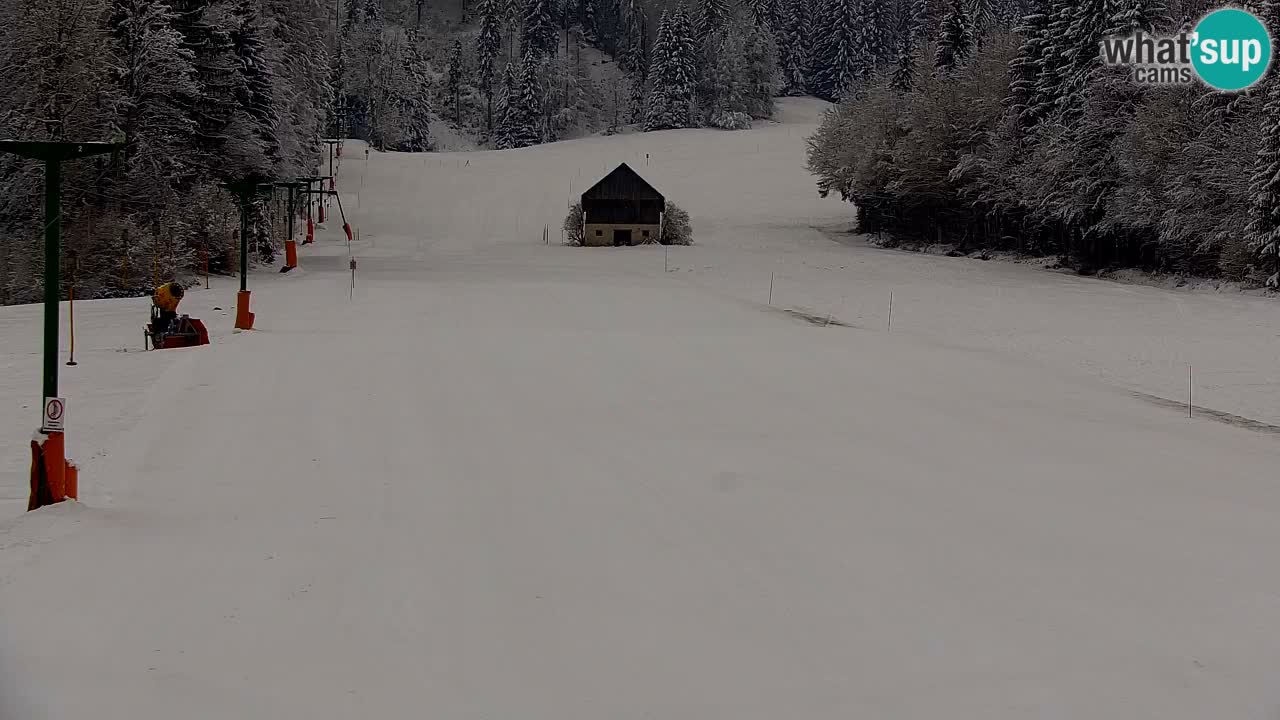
(55, 412)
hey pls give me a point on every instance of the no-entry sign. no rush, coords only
(55, 414)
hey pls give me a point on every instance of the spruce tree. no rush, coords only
(219, 81)
(635, 59)
(711, 16)
(918, 10)
(1088, 20)
(508, 110)
(1264, 227)
(761, 77)
(1024, 69)
(765, 14)
(415, 110)
(838, 64)
(153, 71)
(637, 87)
(683, 53)
(1052, 67)
(982, 15)
(539, 33)
(956, 42)
(633, 43)
(590, 31)
(875, 41)
(529, 114)
(367, 13)
(722, 88)
(488, 46)
(513, 13)
(658, 106)
(792, 45)
(1129, 16)
(453, 80)
(904, 73)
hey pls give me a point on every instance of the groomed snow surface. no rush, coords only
(505, 480)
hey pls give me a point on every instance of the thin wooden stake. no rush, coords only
(890, 311)
(1190, 391)
(771, 288)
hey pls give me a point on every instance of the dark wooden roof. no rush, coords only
(622, 184)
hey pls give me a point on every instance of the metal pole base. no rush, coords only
(244, 318)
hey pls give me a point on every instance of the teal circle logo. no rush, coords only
(1231, 49)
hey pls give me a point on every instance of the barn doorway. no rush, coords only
(621, 237)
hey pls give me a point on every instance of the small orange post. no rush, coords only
(290, 254)
(244, 318)
(55, 465)
(73, 481)
(321, 212)
(311, 232)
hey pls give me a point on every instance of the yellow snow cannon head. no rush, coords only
(168, 296)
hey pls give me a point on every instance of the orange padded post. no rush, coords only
(39, 485)
(55, 465)
(73, 481)
(290, 254)
(311, 232)
(244, 318)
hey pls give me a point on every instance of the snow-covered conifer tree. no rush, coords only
(539, 33)
(658, 104)
(957, 42)
(453, 79)
(904, 72)
(508, 110)
(488, 45)
(838, 63)
(711, 16)
(793, 43)
(875, 23)
(1264, 227)
(527, 129)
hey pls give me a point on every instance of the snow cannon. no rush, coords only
(167, 329)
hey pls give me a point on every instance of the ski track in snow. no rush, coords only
(506, 480)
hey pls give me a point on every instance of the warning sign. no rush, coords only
(55, 413)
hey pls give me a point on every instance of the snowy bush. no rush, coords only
(573, 226)
(731, 120)
(676, 228)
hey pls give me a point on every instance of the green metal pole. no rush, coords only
(244, 240)
(52, 275)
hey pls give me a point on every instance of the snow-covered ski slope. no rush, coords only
(506, 480)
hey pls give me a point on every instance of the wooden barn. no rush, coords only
(622, 209)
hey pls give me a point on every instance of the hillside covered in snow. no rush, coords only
(504, 478)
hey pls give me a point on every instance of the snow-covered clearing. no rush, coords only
(507, 480)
